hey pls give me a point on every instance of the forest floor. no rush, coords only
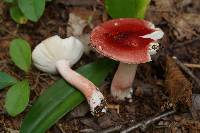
(160, 86)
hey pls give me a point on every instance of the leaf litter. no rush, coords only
(153, 88)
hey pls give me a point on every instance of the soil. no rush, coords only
(155, 87)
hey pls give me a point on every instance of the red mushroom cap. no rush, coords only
(126, 40)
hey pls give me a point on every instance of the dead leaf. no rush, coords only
(178, 87)
(193, 20)
(182, 29)
(188, 123)
(79, 19)
(76, 25)
(164, 5)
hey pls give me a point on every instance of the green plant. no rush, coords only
(61, 97)
(20, 52)
(17, 15)
(17, 96)
(6, 80)
(23, 10)
(126, 8)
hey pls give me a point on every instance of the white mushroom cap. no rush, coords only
(48, 52)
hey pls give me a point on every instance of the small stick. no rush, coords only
(111, 129)
(192, 65)
(143, 125)
(187, 70)
(86, 131)
(186, 42)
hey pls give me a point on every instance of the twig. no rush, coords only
(9, 32)
(192, 65)
(143, 125)
(187, 70)
(86, 131)
(111, 129)
(186, 42)
(44, 79)
(60, 127)
(36, 81)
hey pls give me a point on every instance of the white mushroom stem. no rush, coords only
(121, 86)
(90, 91)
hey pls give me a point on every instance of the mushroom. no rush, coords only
(130, 41)
(56, 55)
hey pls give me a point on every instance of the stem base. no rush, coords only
(121, 87)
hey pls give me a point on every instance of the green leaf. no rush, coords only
(6, 80)
(17, 98)
(32, 9)
(20, 53)
(61, 98)
(126, 8)
(17, 15)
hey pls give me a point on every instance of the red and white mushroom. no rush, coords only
(130, 41)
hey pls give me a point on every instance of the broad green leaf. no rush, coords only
(17, 15)
(32, 9)
(61, 98)
(17, 98)
(126, 8)
(20, 53)
(6, 80)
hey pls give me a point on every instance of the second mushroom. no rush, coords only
(130, 41)
(58, 55)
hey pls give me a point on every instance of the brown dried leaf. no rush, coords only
(183, 30)
(82, 17)
(192, 19)
(164, 5)
(79, 20)
(185, 25)
(178, 87)
(188, 123)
